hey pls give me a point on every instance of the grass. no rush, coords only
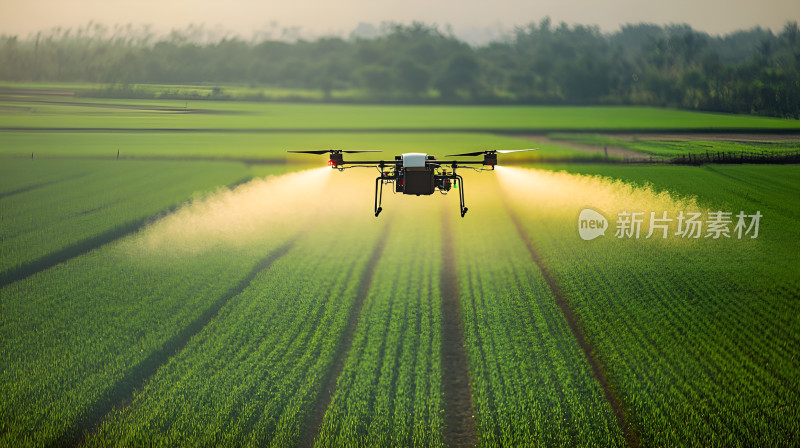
(530, 381)
(261, 147)
(283, 339)
(685, 328)
(677, 147)
(178, 114)
(82, 330)
(389, 391)
(51, 205)
(697, 337)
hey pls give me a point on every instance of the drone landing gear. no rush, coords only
(378, 195)
(461, 195)
(456, 178)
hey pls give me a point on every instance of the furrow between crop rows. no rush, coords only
(315, 421)
(631, 436)
(65, 219)
(696, 337)
(121, 393)
(531, 382)
(459, 425)
(75, 250)
(254, 375)
(389, 392)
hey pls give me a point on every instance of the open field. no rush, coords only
(676, 322)
(54, 207)
(38, 111)
(191, 91)
(676, 146)
(256, 147)
(249, 300)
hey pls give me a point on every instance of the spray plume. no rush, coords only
(261, 210)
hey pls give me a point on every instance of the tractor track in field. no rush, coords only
(120, 395)
(459, 410)
(314, 421)
(632, 438)
(87, 245)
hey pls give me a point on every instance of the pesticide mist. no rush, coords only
(268, 209)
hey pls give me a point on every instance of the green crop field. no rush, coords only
(667, 146)
(207, 289)
(256, 147)
(36, 111)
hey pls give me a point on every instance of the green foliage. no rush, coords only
(51, 205)
(247, 147)
(697, 338)
(678, 147)
(74, 333)
(389, 392)
(252, 376)
(687, 330)
(460, 73)
(753, 71)
(531, 383)
(230, 115)
(376, 78)
(412, 77)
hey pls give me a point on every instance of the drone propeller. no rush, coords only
(325, 151)
(467, 154)
(491, 151)
(506, 151)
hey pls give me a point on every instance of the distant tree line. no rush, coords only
(754, 71)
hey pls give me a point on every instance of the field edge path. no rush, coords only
(632, 438)
(459, 411)
(121, 393)
(316, 417)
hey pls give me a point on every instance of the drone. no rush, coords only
(416, 173)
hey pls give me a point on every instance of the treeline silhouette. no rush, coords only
(753, 71)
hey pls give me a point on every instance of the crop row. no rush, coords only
(247, 145)
(90, 198)
(74, 332)
(531, 383)
(389, 392)
(253, 375)
(124, 113)
(696, 337)
(75, 336)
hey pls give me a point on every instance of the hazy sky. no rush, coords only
(316, 17)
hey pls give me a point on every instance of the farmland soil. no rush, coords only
(459, 414)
